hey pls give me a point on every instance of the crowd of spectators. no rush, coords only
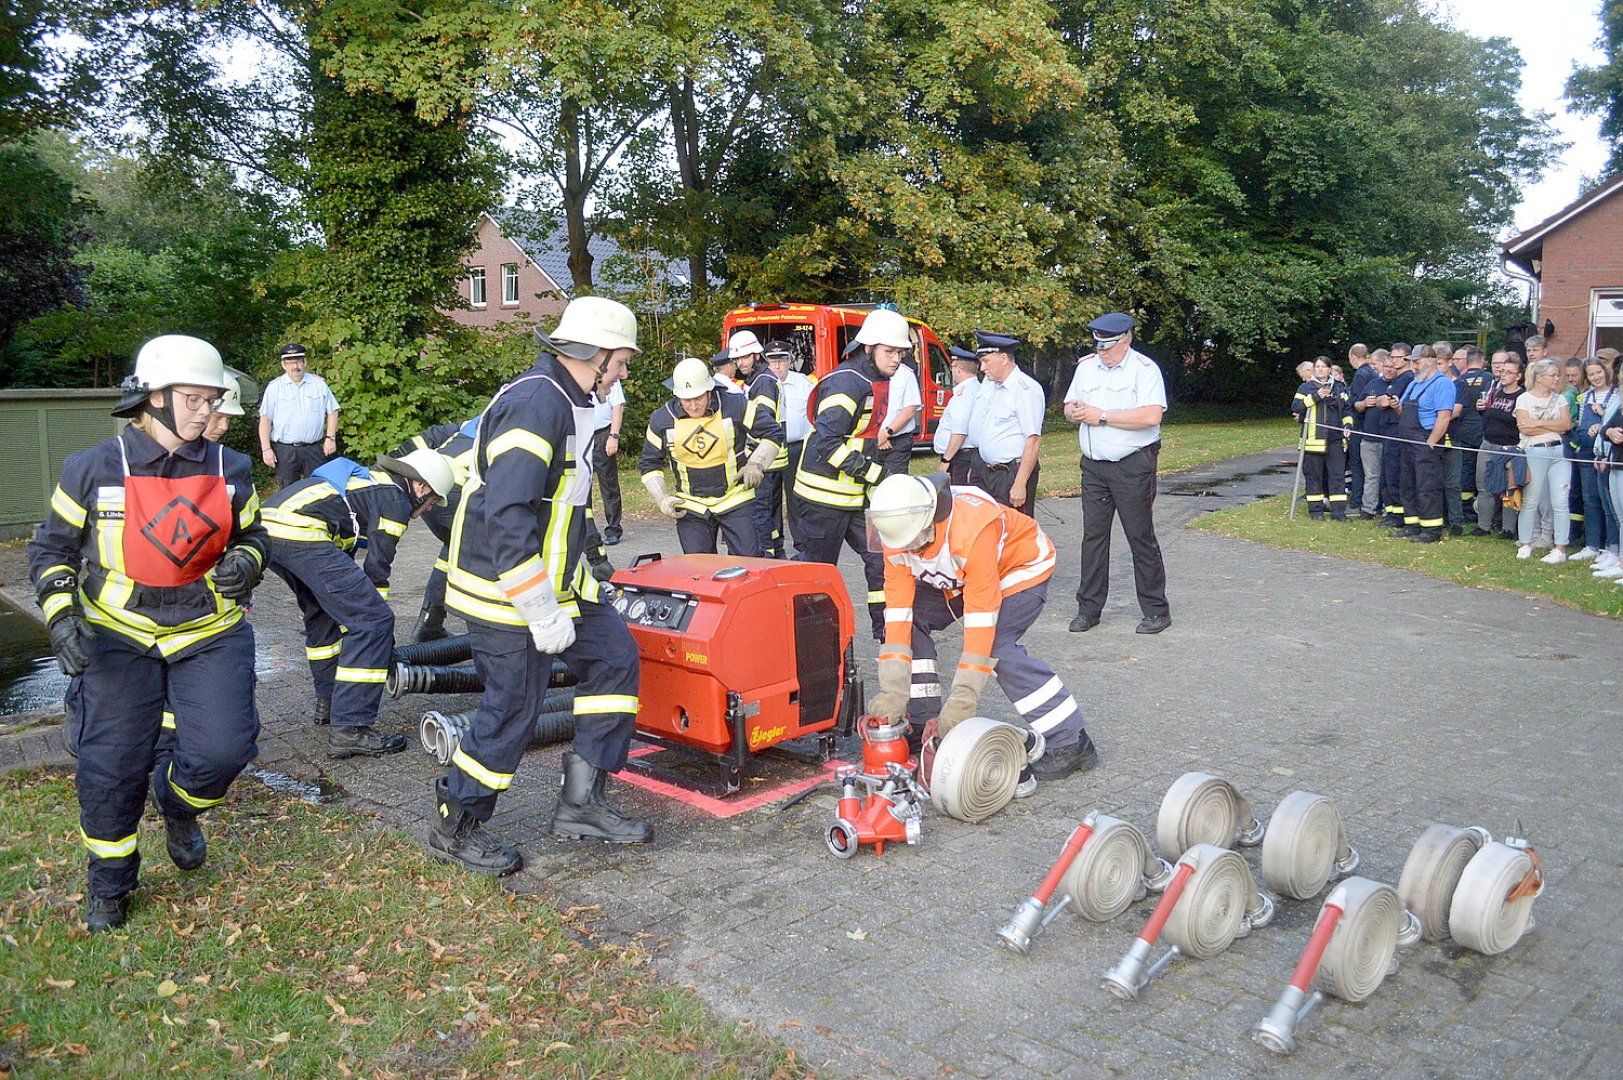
(1433, 440)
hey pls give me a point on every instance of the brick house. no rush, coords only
(1576, 258)
(521, 271)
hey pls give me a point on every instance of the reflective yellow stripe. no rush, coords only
(383, 591)
(594, 704)
(54, 604)
(169, 640)
(67, 509)
(519, 439)
(361, 674)
(483, 610)
(322, 652)
(838, 401)
(876, 596)
(187, 797)
(441, 565)
(520, 577)
(109, 849)
(168, 720)
(495, 781)
(250, 510)
(393, 528)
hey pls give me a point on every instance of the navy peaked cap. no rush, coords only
(962, 354)
(988, 343)
(725, 356)
(1112, 325)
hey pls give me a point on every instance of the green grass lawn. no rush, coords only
(1197, 436)
(1478, 562)
(313, 945)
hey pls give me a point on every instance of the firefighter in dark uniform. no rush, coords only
(702, 433)
(765, 397)
(518, 577)
(453, 442)
(1398, 378)
(840, 462)
(1324, 409)
(151, 548)
(1427, 406)
(316, 526)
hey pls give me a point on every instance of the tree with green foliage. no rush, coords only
(1598, 90)
(43, 221)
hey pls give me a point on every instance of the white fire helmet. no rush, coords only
(885, 327)
(692, 378)
(902, 507)
(591, 323)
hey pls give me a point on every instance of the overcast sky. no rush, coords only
(1553, 36)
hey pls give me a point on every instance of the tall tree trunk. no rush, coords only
(685, 137)
(574, 198)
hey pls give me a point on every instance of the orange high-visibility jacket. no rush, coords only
(983, 552)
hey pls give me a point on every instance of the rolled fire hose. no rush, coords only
(441, 733)
(1306, 844)
(1493, 905)
(1361, 951)
(1203, 809)
(977, 767)
(1220, 903)
(1114, 869)
(1432, 872)
(451, 650)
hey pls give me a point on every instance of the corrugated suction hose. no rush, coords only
(1305, 846)
(977, 767)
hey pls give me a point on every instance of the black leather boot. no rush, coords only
(364, 741)
(459, 837)
(323, 713)
(583, 813)
(106, 912)
(183, 836)
(430, 624)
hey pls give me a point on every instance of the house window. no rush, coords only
(476, 286)
(1606, 317)
(509, 283)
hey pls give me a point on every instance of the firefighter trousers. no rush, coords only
(824, 529)
(605, 662)
(768, 506)
(1392, 481)
(1421, 481)
(121, 700)
(348, 627)
(699, 533)
(1038, 695)
(1324, 476)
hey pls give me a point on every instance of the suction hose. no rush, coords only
(451, 650)
(1306, 845)
(1203, 809)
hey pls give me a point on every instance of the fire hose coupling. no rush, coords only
(1202, 809)
(1211, 900)
(1351, 951)
(1029, 919)
(1305, 846)
(441, 733)
(891, 814)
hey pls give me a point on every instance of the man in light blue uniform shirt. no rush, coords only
(958, 457)
(797, 392)
(298, 419)
(1006, 425)
(1118, 397)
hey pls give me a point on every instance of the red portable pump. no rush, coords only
(739, 655)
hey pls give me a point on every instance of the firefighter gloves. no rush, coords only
(895, 685)
(70, 641)
(655, 483)
(236, 574)
(856, 466)
(550, 628)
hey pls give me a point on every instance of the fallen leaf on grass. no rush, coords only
(167, 988)
(61, 984)
(281, 1037)
(555, 1046)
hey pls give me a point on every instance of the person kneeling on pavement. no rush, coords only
(315, 527)
(954, 553)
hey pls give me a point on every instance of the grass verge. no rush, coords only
(1477, 562)
(313, 945)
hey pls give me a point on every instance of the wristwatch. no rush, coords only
(1104, 418)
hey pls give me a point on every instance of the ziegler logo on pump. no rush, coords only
(179, 529)
(763, 736)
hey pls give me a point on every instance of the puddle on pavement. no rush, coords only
(318, 792)
(29, 677)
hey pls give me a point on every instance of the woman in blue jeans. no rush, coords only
(1600, 517)
(1543, 417)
